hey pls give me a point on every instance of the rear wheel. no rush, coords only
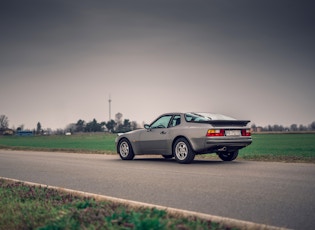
(228, 156)
(183, 152)
(125, 150)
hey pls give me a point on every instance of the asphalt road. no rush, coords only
(278, 194)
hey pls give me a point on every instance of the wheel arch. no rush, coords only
(181, 136)
(124, 138)
(125, 149)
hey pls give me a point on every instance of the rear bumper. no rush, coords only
(229, 141)
(217, 144)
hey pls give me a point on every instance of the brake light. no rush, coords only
(246, 132)
(215, 133)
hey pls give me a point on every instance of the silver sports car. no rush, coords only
(183, 135)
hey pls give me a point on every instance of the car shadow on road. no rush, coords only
(213, 161)
(195, 162)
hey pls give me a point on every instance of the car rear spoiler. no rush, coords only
(226, 122)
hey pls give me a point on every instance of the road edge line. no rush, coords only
(228, 222)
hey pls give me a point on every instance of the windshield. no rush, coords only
(202, 117)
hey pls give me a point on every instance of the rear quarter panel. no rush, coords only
(195, 133)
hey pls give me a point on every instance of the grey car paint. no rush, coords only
(160, 136)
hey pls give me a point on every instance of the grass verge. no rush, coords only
(293, 147)
(31, 207)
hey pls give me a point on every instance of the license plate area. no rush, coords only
(233, 132)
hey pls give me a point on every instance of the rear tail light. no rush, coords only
(246, 132)
(215, 133)
(221, 133)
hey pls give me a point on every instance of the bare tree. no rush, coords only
(20, 128)
(294, 127)
(70, 128)
(134, 125)
(302, 128)
(38, 128)
(4, 122)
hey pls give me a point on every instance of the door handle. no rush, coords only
(163, 132)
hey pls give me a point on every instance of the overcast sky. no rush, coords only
(60, 60)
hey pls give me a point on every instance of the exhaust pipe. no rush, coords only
(223, 149)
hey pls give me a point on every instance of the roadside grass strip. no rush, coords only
(26, 205)
(284, 147)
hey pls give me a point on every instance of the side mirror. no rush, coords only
(147, 127)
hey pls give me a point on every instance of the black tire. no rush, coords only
(228, 156)
(125, 150)
(183, 152)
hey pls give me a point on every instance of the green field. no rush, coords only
(94, 143)
(271, 147)
(283, 147)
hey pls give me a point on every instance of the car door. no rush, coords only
(156, 138)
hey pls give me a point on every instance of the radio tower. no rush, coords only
(109, 102)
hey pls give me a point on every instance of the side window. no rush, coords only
(175, 121)
(161, 122)
(188, 117)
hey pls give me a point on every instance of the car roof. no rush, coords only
(214, 116)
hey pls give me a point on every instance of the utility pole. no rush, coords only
(109, 102)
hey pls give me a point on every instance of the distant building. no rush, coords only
(25, 133)
(256, 129)
(7, 132)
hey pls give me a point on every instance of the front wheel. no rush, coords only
(183, 152)
(125, 150)
(228, 156)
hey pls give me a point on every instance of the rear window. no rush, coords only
(203, 117)
(216, 116)
(194, 117)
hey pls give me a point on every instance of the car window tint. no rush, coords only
(175, 121)
(161, 122)
(188, 117)
(214, 116)
(194, 117)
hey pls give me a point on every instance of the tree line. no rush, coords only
(124, 125)
(113, 126)
(281, 128)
